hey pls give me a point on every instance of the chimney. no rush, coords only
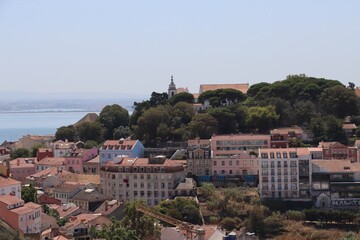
(18, 162)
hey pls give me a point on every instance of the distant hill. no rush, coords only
(90, 117)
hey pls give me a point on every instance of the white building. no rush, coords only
(9, 186)
(152, 180)
(284, 173)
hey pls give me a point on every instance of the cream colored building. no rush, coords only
(152, 180)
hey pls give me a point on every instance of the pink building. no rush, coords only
(236, 165)
(25, 217)
(74, 162)
(20, 168)
(234, 144)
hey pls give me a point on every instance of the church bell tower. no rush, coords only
(172, 88)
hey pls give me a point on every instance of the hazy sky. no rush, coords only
(135, 46)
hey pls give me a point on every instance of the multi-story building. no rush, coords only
(280, 137)
(49, 162)
(338, 151)
(236, 166)
(92, 166)
(9, 186)
(199, 157)
(123, 147)
(25, 217)
(284, 173)
(62, 148)
(335, 183)
(43, 153)
(20, 168)
(152, 180)
(229, 145)
(88, 199)
(66, 191)
(75, 160)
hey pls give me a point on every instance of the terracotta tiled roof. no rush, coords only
(94, 160)
(23, 162)
(50, 171)
(331, 144)
(168, 165)
(7, 199)
(349, 126)
(242, 87)
(8, 182)
(180, 90)
(60, 237)
(196, 95)
(335, 166)
(118, 144)
(52, 161)
(286, 130)
(89, 195)
(81, 178)
(67, 187)
(64, 210)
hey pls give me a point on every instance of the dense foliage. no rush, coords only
(318, 105)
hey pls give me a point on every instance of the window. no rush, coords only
(244, 162)
(230, 162)
(278, 155)
(293, 164)
(237, 162)
(264, 155)
(222, 163)
(272, 155)
(264, 172)
(264, 164)
(251, 162)
(285, 155)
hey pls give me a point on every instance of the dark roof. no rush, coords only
(89, 195)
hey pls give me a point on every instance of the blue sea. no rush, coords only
(14, 125)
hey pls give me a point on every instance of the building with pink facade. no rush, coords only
(75, 160)
(234, 144)
(237, 165)
(25, 217)
(20, 168)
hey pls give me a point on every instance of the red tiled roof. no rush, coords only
(50, 171)
(23, 162)
(119, 144)
(7, 199)
(349, 126)
(286, 130)
(67, 187)
(8, 181)
(52, 161)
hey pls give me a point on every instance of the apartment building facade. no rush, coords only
(152, 180)
(285, 173)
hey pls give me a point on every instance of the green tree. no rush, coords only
(203, 125)
(148, 124)
(29, 194)
(221, 97)
(226, 120)
(255, 88)
(182, 97)
(230, 223)
(90, 144)
(90, 131)
(349, 236)
(144, 226)
(262, 118)
(66, 132)
(182, 209)
(112, 117)
(274, 224)
(20, 153)
(122, 132)
(339, 101)
(114, 231)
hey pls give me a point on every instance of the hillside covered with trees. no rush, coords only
(316, 104)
